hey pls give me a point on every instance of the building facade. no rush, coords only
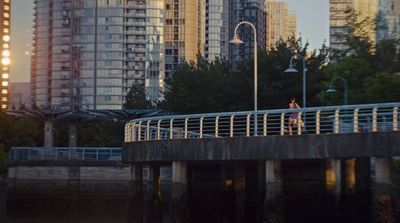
(184, 32)
(5, 22)
(388, 20)
(217, 36)
(292, 24)
(340, 12)
(281, 24)
(88, 54)
(20, 96)
(252, 11)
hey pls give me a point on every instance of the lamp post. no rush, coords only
(332, 89)
(236, 40)
(291, 69)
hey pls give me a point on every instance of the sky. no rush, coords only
(312, 24)
(21, 40)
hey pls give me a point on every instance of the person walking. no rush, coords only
(293, 118)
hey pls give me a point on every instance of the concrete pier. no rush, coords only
(240, 190)
(349, 170)
(333, 177)
(273, 204)
(135, 194)
(382, 190)
(227, 193)
(179, 198)
(153, 195)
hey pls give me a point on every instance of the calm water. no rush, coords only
(304, 200)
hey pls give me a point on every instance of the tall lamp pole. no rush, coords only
(236, 40)
(291, 69)
(332, 89)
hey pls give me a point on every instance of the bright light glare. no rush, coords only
(6, 61)
(6, 38)
(6, 53)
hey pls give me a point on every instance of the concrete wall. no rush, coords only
(266, 148)
(66, 178)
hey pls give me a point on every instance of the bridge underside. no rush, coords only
(384, 144)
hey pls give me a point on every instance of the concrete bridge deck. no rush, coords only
(380, 144)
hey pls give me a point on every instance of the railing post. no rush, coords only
(231, 126)
(201, 127)
(337, 121)
(318, 123)
(133, 132)
(282, 129)
(171, 128)
(139, 132)
(97, 154)
(265, 119)
(56, 154)
(355, 121)
(374, 120)
(148, 130)
(216, 126)
(159, 129)
(186, 128)
(248, 125)
(396, 119)
(299, 124)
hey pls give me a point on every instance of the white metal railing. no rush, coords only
(65, 153)
(318, 120)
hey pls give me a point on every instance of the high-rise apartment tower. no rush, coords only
(88, 54)
(281, 24)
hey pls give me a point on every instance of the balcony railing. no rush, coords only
(318, 120)
(65, 153)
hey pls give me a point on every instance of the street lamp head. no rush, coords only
(236, 40)
(331, 90)
(291, 69)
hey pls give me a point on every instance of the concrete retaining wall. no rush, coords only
(265, 148)
(67, 178)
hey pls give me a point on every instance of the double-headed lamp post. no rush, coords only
(332, 89)
(236, 40)
(291, 69)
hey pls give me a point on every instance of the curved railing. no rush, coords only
(318, 120)
(65, 153)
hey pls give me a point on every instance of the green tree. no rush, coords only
(136, 98)
(19, 131)
(206, 87)
(383, 87)
(216, 86)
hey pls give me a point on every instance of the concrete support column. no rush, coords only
(74, 176)
(72, 135)
(240, 191)
(48, 133)
(135, 194)
(227, 193)
(350, 176)
(382, 190)
(179, 199)
(261, 190)
(153, 196)
(273, 203)
(333, 177)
